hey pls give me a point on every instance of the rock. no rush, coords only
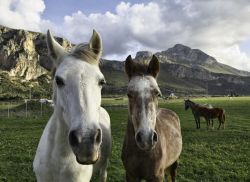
(24, 54)
(143, 55)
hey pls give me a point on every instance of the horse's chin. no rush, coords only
(88, 161)
(145, 149)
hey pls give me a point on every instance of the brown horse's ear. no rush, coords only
(129, 66)
(154, 66)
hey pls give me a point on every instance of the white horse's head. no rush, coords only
(77, 94)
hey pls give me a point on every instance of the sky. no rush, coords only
(221, 28)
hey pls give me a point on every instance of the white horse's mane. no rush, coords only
(84, 52)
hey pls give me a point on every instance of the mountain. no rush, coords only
(185, 71)
(25, 67)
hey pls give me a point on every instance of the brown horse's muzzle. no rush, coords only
(86, 148)
(146, 140)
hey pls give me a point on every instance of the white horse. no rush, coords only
(76, 141)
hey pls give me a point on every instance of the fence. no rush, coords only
(28, 108)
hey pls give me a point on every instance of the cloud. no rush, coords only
(234, 57)
(128, 27)
(22, 14)
(216, 27)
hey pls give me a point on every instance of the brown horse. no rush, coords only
(206, 112)
(153, 140)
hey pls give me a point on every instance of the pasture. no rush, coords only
(207, 155)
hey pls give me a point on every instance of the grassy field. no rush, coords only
(208, 155)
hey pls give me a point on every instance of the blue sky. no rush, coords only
(56, 12)
(219, 28)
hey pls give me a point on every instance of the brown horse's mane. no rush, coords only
(140, 68)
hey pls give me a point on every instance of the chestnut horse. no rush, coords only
(206, 112)
(153, 140)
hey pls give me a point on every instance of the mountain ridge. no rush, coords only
(24, 64)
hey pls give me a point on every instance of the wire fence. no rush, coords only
(26, 108)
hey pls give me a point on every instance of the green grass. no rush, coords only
(207, 155)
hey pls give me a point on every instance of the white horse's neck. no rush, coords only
(57, 156)
(58, 135)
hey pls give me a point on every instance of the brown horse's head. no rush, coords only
(143, 93)
(186, 104)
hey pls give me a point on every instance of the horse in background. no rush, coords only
(76, 141)
(206, 112)
(153, 140)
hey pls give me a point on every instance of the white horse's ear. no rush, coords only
(54, 48)
(95, 44)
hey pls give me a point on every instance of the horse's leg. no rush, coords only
(208, 123)
(173, 171)
(219, 123)
(103, 172)
(212, 123)
(198, 121)
(130, 178)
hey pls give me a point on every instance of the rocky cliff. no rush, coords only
(24, 65)
(24, 54)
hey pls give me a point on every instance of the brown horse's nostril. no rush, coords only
(74, 138)
(155, 137)
(98, 136)
(138, 137)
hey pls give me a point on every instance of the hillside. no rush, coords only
(25, 67)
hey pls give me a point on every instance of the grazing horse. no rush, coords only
(76, 141)
(153, 140)
(209, 113)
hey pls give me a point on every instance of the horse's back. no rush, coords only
(168, 125)
(168, 117)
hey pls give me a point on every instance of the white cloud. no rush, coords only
(22, 14)
(216, 27)
(234, 57)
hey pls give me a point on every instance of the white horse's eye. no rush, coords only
(102, 82)
(59, 81)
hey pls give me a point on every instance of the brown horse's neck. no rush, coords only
(192, 105)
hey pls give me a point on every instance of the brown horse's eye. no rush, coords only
(59, 81)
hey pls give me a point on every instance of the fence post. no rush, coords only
(41, 108)
(8, 109)
(26, 110)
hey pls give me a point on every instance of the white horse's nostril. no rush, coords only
(74, 138)
(98, 136)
